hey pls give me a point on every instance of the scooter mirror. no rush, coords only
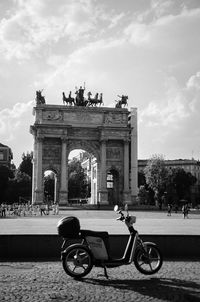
(116, 208)
(126, 207)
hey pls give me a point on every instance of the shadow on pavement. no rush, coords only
(161, 288)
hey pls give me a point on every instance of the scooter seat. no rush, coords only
(103, 235)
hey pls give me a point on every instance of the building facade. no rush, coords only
(6, 155)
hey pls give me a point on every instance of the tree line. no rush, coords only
(157, 183)
(16, 183)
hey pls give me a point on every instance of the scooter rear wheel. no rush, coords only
(77, 261)
(148, 261)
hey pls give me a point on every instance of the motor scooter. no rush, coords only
(83, 249)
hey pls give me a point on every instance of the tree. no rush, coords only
(156, 175)
(77, 181)
(49, 186)
(141, 179)
(143, 195)
(5, 174)
(182, 182)
(26, 165)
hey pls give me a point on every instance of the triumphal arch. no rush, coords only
(109, 134)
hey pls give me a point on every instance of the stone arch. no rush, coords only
(107, 133)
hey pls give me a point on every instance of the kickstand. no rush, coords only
(105, 272)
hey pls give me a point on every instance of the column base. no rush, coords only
(63, 198)
(134, 200)
(103, 197)
(127, 197)
(38, 197)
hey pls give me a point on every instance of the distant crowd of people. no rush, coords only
(185, 210)
(17, 210)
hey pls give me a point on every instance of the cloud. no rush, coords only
(14, 128)
(12, 119)
(174, 121)
(166, 32)
(38, 24)
(194, 82)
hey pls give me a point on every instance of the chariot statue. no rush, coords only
(80, 100)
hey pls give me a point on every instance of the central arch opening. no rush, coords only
(50, 187)
(82, 177)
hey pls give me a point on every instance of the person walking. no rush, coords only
(42, 209)
(169, 209)
(185, 210)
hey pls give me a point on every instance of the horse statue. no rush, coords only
(95, 101)
(121, 102)
(40, 99)
(69, 100)
(101, 99)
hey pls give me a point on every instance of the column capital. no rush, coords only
(64, 139)
(39, 138)
(103, 140)
(126, 140)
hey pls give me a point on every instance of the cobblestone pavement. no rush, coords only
(46, 281)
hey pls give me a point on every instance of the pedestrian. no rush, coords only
(176, 208)
(42, 209)
(185, 210)
(54, 208)
(57, 208)
(169, 209)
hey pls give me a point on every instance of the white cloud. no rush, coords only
(194, 81)
(12, 119)
(176, 113)
(168, 33)
(116, 19)
(37, 23)
(14, 128)
(137, 33)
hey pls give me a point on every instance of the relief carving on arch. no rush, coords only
(113, 153)
(52, 115)
(114, 118)
(51, 153)
(83, 117)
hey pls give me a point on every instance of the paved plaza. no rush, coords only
(47, 281)
(147, 222)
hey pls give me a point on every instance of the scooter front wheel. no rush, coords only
(77, 261)
(149, 260)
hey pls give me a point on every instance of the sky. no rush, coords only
(146, 49)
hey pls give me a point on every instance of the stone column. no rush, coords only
(134, 156)
(55, 188)
(34, 172)
(38, 172)
(63, 196)
(126, 193)
(103, 193)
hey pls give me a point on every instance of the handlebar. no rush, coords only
(122, 217)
